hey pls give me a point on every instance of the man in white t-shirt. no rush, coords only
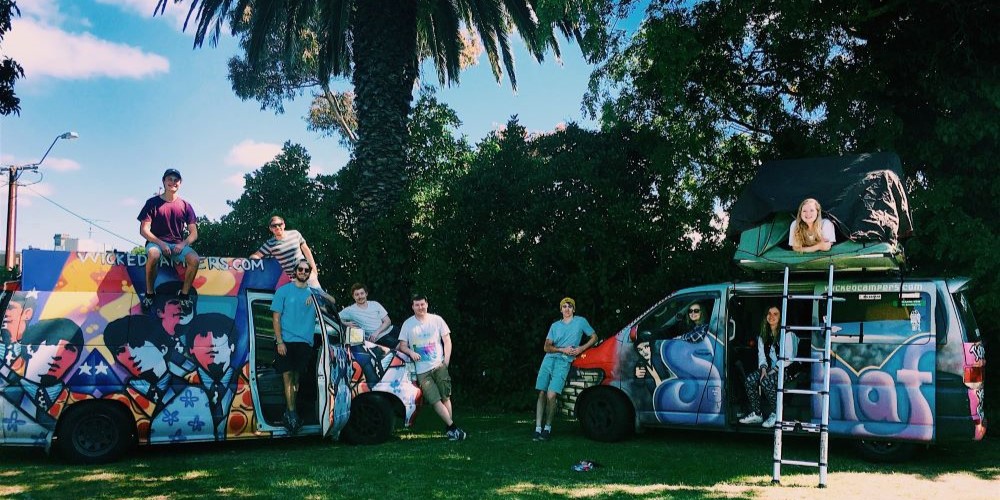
(369, 316)
(426, 339)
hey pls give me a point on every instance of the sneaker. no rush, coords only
(537, 436)
(456, 434)
(147, 302)
(771, 420)
(185, 302)
(752, 418)
(545, 435)
(292, 422)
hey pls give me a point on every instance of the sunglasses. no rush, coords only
(278, 224)
(694, 311)
(303, 269)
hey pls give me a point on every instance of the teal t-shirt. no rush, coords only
(568, 334)
(298, 313)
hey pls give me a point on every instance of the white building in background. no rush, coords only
(68, 243)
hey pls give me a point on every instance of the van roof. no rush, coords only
(117, 272)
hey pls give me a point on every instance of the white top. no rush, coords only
(825, 226)
(369, 318)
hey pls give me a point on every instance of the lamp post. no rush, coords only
(13, 174)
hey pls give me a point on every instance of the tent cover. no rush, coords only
(862, 195)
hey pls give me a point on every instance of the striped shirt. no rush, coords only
(287, 250)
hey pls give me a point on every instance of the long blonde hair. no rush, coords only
(806, 235)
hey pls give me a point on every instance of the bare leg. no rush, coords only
(540, 409)
(152, 268)
(291, 379)
(550, 407)
(444, 412)
(190, 271)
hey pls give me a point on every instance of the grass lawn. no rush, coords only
(500, 460)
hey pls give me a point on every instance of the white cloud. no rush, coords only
(236, 180)
(46, 11)
(45, 50)
(252, 154)
(60, 164)
(174, 13)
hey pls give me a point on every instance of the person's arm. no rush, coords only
(191, 237)
(550, 347)
(404, 347)
(446, 342)
(586, 345)
(383, 328)
(279, 344)
(256, 255)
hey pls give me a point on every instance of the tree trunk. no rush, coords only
(385, 70)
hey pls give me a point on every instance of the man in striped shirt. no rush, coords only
(288, 247)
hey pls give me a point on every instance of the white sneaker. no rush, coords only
(752, 418)
(771, 420)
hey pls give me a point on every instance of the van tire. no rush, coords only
(371, 422)
(885, 451)
(606, 416)
(94, 434)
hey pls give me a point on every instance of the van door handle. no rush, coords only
(732, 329)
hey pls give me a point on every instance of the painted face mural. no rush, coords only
(211, 352)
(49, 363)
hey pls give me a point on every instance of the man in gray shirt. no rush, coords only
(369, 316)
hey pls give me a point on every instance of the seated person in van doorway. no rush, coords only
(294, 320)
(209, 340)
(765, 379)
(51, 348)
(19, 312)
(369, 316)
(150, 387)
(810, 232)
(561, 346)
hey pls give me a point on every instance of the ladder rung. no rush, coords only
(816, 297)
(809, 360)
(805, 328)
(799, 462)
(796, 426)
(801, 391)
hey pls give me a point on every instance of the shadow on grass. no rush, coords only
(498, 460)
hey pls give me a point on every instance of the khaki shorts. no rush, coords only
(435, 384)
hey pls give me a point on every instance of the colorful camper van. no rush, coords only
(907, 361)
(84, 370)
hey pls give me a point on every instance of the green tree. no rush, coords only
(378, 43)
(10, 70)
(729, 84)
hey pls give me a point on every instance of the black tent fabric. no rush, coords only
(861, 194)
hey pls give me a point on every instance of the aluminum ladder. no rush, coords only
(826, 329)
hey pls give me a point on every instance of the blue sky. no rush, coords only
(143, 100)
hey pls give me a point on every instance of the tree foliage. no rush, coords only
(10, 70)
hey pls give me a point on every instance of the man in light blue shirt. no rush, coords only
(561, 346)
(294, 320)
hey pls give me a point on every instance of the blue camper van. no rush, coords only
(84, 370)
(907, 360)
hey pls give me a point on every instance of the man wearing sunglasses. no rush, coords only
(288, 247)
(294, 318)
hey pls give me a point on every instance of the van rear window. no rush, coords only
(882, 317)
(965, 316)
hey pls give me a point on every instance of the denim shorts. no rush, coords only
(552, 374)
(176, 259)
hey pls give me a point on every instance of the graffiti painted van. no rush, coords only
(907, 361)
(85, 370)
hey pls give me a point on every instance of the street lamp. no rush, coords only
(13, 174)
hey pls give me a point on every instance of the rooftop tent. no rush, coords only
(862, 195)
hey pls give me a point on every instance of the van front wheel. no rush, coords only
(605, 416)
(371, 421)
(885, 451)
(94, 434)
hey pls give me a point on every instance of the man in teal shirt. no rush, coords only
(561, 346)
(294, 314)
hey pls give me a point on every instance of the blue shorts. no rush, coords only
(552, 374)
(176, 259)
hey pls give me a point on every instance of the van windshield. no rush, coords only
(965, 316)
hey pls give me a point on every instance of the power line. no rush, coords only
(74, 214)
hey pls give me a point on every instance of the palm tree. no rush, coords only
(378, 44)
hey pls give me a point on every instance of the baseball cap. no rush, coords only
(172, 171)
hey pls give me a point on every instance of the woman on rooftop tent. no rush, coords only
(810, 232)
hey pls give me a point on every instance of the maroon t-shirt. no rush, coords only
(168, 220)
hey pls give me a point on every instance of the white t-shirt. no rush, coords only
(369, 318)
(825, 226)
(425, 339)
